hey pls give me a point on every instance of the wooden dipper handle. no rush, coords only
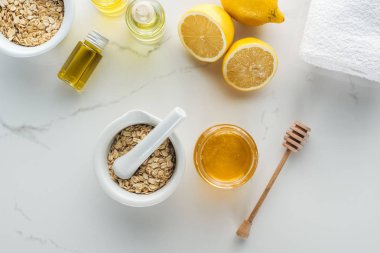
(294, 138)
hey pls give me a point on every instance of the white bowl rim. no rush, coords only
(12, 49)
(101, 169)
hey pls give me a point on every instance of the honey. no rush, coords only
(225, 156)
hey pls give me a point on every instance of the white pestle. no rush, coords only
(126, 165)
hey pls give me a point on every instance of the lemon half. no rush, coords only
(249, 64)
(206, 31)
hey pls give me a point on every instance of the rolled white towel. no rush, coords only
(344, 35)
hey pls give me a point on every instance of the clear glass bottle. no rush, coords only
(83, 60)
(111, 8)
(146, 20)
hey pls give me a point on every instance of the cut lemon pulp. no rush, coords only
(206, 31)
(249, 64)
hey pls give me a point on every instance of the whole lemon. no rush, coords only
(254, 12)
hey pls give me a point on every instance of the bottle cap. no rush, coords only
(97, 40)
(143, 12)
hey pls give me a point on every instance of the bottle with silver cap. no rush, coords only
(83, 60)
(146, 20)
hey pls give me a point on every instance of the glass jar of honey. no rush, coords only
(225, 156)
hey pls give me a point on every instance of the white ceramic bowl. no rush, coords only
(15, 50)
(101, 167)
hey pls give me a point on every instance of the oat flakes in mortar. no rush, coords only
(154, 173)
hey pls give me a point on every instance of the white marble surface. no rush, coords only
(327, 199)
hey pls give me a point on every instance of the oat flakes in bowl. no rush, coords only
(30, 22)
(32, 27)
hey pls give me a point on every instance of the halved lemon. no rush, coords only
(206, 31)
(249, 64)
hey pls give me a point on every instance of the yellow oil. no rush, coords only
(226, 157)
(80, 65)
(146, 20)
(111, 8)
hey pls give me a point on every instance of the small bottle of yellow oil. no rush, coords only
(111, 8)
(83, 60)
(146, 20)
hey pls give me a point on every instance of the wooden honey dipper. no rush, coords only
(294, 139)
